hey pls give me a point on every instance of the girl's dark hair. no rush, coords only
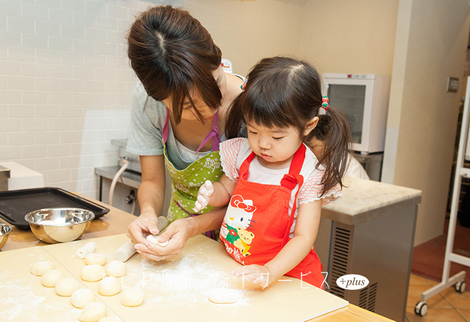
(333, 131)
(172, 55)
(284, 92)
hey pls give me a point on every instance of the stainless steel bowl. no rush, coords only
(59, 225)
(5, 230)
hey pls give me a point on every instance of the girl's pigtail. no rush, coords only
(336, 154)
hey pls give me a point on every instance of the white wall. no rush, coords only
(431, 45)
(65, 86)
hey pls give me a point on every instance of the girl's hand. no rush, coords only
(260, 275)
(203, 196)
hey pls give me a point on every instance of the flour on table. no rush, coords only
(18, 302)
(189, 280)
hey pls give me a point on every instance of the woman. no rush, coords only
(178, 114)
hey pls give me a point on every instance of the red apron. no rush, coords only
(257, 223)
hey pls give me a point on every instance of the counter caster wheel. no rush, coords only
(421, 308)
(460, 286)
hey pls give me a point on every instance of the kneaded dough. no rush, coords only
(39, 268)
(92, 273)
(85, 250)
(109, 286)
(92, 312)
(133, 297)
(225, 295)
(66, 286)
(154, 240)
(116, 268)
(95, 259)
(110, 319)
(50, 278)
(81, 297)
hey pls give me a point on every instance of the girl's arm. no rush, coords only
(305, 233)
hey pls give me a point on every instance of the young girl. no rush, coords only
(275, 185)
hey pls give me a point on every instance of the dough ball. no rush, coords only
(95, 259)
(92, 273)
(92, 312)
(81, 297)
(132, 297)
(39, 268)
(66, 286)
(110, 319)
(109, 286)
(116, 268)
(50, 278)
(154, 240)
(225, 295)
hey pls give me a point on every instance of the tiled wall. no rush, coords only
(65, 86)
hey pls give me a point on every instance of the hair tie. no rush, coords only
(324, 102)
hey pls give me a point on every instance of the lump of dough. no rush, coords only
(39, 268)
(132, 297)
(50, 278)
(85, 250)
(110, 319)
(81, 297)
(116, 268)
(225, 295)
(92, 312)
(109, 286)
(92, 273)
(95, 259)
(154, 240)
(66, 286)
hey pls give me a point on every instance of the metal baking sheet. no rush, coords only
(15, 204)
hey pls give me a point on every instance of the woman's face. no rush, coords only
(317, 147)
(188, 112)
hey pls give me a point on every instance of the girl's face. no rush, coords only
(188, 113)
(273, 146)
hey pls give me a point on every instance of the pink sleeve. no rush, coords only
(229, 151)
(312, 188)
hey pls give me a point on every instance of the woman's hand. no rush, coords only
(177, 234)
(145, 224)
(203, 196)
(260, 275)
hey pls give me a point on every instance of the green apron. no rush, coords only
(186, 182)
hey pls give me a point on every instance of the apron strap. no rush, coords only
(213, 134)
(291, 180)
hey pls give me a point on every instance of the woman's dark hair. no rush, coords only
(284, 92)
(173, 54)
(333, 130)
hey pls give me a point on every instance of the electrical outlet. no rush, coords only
(452, 84)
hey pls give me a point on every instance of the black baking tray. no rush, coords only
(15, 204)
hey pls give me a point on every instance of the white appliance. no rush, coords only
(363, 99)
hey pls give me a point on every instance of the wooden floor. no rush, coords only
(428, 258)
(426, 269)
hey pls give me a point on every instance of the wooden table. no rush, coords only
(116, 222)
